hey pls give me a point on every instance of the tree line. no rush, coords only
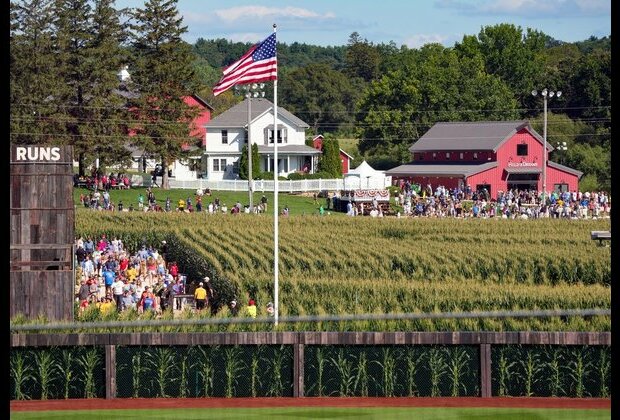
(65, 56)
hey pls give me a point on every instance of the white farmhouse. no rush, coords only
(227, 134)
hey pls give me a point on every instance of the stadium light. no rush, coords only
(249, 91)
(545, 93)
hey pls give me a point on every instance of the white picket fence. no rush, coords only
(303, 185)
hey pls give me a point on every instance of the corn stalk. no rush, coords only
(160, 360)
(21, 373)
(603, 369)
(46, 369)
(555, 372)
(203, 365)
(438, 368)
(413, 363)
(233, 366)
(457, 367)
(532, 365)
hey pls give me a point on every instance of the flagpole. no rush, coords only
(275, 197)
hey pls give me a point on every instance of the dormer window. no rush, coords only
(224, 136)
(282, 135)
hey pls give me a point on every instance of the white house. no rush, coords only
(227, 134)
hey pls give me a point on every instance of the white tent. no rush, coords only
(365, 177)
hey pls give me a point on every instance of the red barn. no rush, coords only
(200, 121)
(345, 158)
(494, 155)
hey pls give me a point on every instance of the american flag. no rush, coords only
(259, 64)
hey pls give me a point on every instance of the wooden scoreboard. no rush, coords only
(42, 232)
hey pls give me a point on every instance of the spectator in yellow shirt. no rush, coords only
(106, 306)
(251, 309)
(131, 274)
(200, 296)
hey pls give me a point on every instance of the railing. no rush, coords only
(302, 185)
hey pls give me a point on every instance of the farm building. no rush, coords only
(345, 158)
(227, 134)
(497, 155)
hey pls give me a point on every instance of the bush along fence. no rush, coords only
(298, 364)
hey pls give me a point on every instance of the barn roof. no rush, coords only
(440, 170)
(479, 135)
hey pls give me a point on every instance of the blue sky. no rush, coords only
(406, 22)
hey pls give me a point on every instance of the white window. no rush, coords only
(475, 155)
(461, 155)
(282, 135)
(447, 155)
(219, 165)
(224, 136)
(282, 165)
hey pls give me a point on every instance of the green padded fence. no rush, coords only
(40, 373)
(329, 370)
(392, 371)
(204, 371)
(551, 371)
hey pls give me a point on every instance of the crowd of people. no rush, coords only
(113, 278)
(99, 199)
(102, 181)
(511, 204)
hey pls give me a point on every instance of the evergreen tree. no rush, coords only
(33, 81)
(89, 57)
(163, 74)
(243, 162)
(330, 159)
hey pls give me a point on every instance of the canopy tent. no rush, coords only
(365, 177)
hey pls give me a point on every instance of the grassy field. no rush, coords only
(298, 204)
(324, 413)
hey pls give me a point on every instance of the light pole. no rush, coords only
(561, 146)
(250, 91)
(545, 93)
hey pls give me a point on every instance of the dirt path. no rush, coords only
(137, 403)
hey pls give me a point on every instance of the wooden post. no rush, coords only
(298, 370)
(110, 372)
(485, 370)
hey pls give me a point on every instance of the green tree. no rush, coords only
(163, 76)
(330, 159)
(243, 162)
(516, 58)
(322, 96)
(88, 59)
(34, 86)
(435, 84)
(362, 58)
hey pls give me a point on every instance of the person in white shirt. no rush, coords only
(117, 291)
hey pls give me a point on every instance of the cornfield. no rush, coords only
(339, 265)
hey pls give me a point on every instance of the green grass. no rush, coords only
(298, 204)
(383, 413)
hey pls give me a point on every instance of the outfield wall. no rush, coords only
(306, 364)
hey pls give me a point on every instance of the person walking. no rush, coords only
(200, 297)
(117, 292)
